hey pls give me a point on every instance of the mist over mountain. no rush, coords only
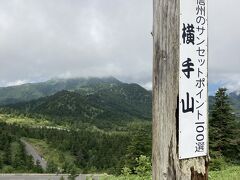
(85, 99)
(31, 91)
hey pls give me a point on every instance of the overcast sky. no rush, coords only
(43, 39)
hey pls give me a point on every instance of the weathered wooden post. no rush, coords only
(167, 33)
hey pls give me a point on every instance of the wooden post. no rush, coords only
(166, 163)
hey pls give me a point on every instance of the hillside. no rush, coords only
(86, 98)
(235, 101)
(31, 91)
(81, 125)
(101, 125)
(108, 101)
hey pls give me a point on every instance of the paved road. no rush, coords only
(42, 177)
(31, 151)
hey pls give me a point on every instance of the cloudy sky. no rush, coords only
(44, 39)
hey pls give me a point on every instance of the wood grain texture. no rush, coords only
(166, 164)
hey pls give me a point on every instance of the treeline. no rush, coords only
(93, 150)
(112, 104)
(106, 122)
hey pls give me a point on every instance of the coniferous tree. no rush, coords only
(223, 128)
(140, 144)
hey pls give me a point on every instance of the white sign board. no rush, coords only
(193, 78)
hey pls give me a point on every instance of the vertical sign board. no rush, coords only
(193, 74)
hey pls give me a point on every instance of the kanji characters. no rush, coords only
(193, 73)
(187, 107)
(188, 67)
(199, 147)
(188, 34)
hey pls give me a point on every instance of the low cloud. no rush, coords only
(59, 38)
(45, 39)
(16, 83)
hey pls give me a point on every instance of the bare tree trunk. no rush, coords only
(166, 164)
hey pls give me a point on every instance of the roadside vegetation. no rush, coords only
(85, 151)
(228, 173)
(13, 158)
(57, 160)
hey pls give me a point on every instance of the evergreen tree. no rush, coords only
(223, 130)
(140, 144)
(29, 163)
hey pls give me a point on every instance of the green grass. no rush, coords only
(29, 122)
(130, 177)
(21, 120)
(230, 173)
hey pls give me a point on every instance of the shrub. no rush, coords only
(143, 166)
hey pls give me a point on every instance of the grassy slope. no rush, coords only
(130, 177)
(29, 122)
(230, 173)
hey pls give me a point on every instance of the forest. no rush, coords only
(103, 130)
(93, 151)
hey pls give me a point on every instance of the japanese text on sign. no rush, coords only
(193, 74)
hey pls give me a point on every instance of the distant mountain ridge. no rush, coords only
(31, 91)
(92, 99)
(235, 101)
(234, 98)
(87, 98)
